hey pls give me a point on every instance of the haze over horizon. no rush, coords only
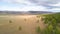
(30, 5)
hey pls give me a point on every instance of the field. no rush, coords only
(20, 24)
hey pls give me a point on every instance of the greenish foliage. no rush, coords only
(52, 20)
(57, 30)
(38, 30)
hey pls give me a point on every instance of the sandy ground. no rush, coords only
(28, 24)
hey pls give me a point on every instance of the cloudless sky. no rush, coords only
(30, 5)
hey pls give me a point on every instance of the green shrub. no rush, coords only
(52, 20)
(20, 28)
(57, 30)
(10, 21)
(38, 16)
(38, 30)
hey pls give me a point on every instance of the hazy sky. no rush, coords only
(30, 5)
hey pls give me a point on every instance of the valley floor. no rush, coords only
(10, 24)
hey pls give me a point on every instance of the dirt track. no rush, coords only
(28, 24)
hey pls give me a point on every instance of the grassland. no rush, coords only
(30, 24)
(20, 24)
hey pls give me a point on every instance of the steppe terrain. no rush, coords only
(20, 24)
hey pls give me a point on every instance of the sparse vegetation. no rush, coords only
(10, 21)
(37, 21)
(38, 30)
(52, 21)
(42, 19)
(20, 28)
(38, 16)
(25, 19)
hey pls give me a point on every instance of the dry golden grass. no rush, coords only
(27, 23)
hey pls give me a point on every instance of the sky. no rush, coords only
(30, 5)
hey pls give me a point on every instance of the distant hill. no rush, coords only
(24, 12)
(39, 12)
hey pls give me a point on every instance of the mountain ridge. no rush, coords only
(24, 12)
